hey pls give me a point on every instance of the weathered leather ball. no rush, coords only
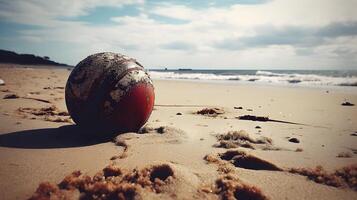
(110, 91)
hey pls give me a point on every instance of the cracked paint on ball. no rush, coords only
(111, 91)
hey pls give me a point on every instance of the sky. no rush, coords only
(206, 34)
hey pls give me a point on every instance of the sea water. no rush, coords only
(335, 78)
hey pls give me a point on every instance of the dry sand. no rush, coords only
(38, 142)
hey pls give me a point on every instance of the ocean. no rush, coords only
(342, 78)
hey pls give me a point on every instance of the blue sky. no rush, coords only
(240, 34)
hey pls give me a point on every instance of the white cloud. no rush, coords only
(46, 12)
(194, 43)
(276, 12)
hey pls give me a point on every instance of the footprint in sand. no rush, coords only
(235, 139)
(148, 135)
(343, 177)
(162, 134)
(230, 187)
(241, 159)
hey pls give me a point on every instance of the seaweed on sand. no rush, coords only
(111, 183)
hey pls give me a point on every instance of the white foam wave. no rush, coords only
(192, 76)
(263, 77)
(266, 73)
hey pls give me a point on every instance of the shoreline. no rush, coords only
(342, 89)
(286, 78)
(352, 89)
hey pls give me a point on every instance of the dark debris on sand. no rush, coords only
(159, 130)
(51, 113)
(264, 119)
(148, 129)
(51, 88)
(51, 110)
(346, 103)
(253, 118)
(344, 155)
(343, 177)
(11, 96)
(212, 112)
(238, 107)
(229, 188)
(111, 183)
(294, 140)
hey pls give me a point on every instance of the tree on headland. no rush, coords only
(26, 59)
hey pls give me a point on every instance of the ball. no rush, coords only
(110, 91)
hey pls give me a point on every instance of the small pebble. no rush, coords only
(294, 140)
(161, 129)
(346, 103)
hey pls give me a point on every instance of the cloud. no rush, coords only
(278, 32)
(300, 37)
(47, 12)
(178, 45)
(270, 35)
(202, 4)
(338, 29)
(276, 12)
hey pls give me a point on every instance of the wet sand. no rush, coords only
(192, 144)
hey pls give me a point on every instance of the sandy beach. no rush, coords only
(188, 152)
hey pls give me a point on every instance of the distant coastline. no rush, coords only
(185, 69)
(27, 59)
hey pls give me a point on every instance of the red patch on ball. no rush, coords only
(135, 108)
(110, 91)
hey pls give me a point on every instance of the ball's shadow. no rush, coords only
(62, 137)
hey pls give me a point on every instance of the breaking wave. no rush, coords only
(313, 78)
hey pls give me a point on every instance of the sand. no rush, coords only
(39, 143)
